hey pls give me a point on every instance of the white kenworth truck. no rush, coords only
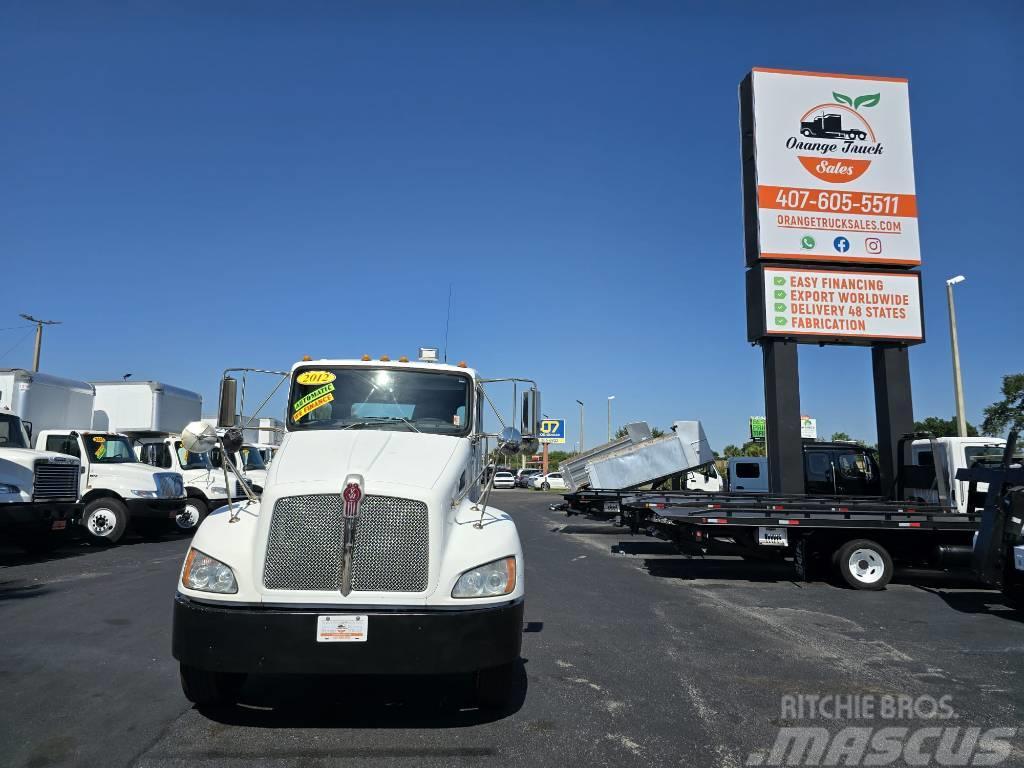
(373, 549)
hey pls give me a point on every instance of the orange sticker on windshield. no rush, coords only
(315, 377)
(98, 439)
(312, 406)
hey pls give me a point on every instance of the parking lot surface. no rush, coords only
(632, 655)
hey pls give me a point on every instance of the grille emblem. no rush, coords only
(351, 497)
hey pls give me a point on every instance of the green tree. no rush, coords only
(655, 432)
(1008, 413)
(841, 437)
(749, 448)
(943, 427)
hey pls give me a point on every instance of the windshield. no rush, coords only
(109, 449)
(252, 458)
(190, 460)
(12, 435)
(380, 398)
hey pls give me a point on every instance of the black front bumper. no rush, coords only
(283, 641)
(37, 515)
(155, 509)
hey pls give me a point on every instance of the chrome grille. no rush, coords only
(391, 552)
(54, 482)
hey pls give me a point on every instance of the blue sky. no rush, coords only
(193, 185)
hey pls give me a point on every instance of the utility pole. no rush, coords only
(958, 382)
(581, 426)
(610, 398)
(39, 337)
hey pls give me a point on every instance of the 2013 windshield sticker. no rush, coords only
(310, 402)
(315, 377)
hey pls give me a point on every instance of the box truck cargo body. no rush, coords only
(132, 407)
(44, 402)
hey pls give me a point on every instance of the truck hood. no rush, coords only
(397, 458)
(27, 457)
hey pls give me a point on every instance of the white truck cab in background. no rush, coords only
(372, 550)
(38, 489)
(117, 491)
(153, 414)
(955, 453)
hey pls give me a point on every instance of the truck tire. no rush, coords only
(864, 564)
(495, 687)
(205, 688)
(105, 520)
(192, 515)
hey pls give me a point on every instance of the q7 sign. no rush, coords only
(828, 169)
(552, 430)
(826, 305)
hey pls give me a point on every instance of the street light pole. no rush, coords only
(610, 398)
(958, 382)
(39, 337)
(581, 425)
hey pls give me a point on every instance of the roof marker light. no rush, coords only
(365, 358)
(462, 364)
(385, 359)
(306, 358)
(403, 359)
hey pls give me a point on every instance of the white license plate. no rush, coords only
(611, 507)
(772, 537)
(342, 629)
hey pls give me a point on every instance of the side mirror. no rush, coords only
(226, 406)
(198, 437)
(510, 440)
(531, 412)
(28, 429)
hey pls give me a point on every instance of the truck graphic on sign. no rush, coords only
(830, 126)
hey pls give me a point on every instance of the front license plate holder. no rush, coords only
(342, 628)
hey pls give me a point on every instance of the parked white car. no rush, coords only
(548, 481)
(504, 480)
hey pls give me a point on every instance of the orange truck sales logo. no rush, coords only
(836, 133)
(831, 169)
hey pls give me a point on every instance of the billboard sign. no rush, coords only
(834, 306)
(808, 428)
(552, 430)
(828, 168)
(758, 427)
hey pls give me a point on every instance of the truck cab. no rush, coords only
(116, 490)
(954, 453)
(372, 549)
(830, 469)
(38, 489)
(205, 487)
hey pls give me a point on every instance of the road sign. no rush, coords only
(757, 427)
(552, 430)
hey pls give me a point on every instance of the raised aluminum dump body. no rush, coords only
(639, 458)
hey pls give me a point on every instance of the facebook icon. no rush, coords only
(841, 244)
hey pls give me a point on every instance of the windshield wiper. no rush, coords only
(372, 420)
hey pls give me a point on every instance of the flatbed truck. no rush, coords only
(858, 538)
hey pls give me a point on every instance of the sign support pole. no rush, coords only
(894, 408)
(544, 460)
(782, 409)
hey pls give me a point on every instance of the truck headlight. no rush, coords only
(489, 580)
(205, 574)
(143, 494)
(8, 488)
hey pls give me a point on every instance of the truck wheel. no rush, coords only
(192, 515)
(494, 687)
(105, 519)
(863, 564)
(205, 688)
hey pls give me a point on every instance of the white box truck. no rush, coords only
(153, 414)
(38, 489)
(372, 549)
(115, 489)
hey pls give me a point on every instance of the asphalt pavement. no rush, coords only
(632, 655)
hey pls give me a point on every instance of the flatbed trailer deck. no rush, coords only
(857, 537)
